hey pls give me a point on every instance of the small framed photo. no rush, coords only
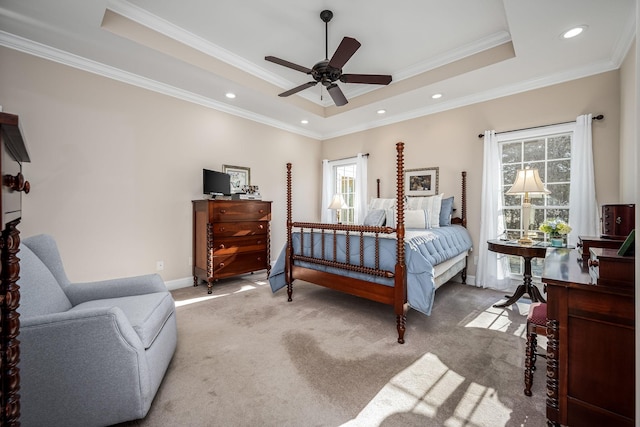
(240, 177)
(421, 182)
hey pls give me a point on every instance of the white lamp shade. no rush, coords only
(337, 202)
(528, 181)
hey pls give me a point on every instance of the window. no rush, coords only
(344, 176)
(347, 178)
(551, 155)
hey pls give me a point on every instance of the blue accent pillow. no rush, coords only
(375, 218)
(446, 210)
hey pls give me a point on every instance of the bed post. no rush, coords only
(464, 199)
(288, 263)
(400, 279)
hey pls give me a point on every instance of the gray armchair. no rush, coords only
(91, 354)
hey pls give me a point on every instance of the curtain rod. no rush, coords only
(352, 157)
(598, 117)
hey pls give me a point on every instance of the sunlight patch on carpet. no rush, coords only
(423, 388)
(502, 319)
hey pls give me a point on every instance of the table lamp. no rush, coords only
(527, 182)
(336, 204)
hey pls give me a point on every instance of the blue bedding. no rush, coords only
(423, 250)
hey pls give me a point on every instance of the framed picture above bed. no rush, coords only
(421, 182)
(240, 177)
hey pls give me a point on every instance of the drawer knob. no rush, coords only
(619, 220)
(593, 263)
(261, 211)
(259, 242)
(221, 229)
(17, 183)
(223, 211)
(221, 246)
(221, 265)
(260, 226)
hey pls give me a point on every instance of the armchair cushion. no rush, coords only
(146, 313)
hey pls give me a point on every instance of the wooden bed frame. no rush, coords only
(395, 296)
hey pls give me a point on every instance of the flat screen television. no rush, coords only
(215, 183)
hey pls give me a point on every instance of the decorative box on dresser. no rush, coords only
(14, 153)
(230, 237)
(590, 341)
(618, 220)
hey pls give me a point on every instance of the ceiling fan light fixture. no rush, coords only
(573, 32)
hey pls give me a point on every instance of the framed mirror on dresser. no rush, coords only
(14, 154)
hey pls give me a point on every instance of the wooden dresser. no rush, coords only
(590, 344)
(14, 153)
(230, 237)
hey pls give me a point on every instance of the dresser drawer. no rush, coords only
(233, 264)
(607, 268)
(246, 210)
(234, 245)
(238, 229)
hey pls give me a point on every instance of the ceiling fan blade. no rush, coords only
(337, 95)
(372, 79)
(344, 52)
(288, 64)
(298, 89)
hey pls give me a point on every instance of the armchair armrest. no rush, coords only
(114, 288)
(66, 357)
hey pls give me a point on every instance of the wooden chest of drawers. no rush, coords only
(607, 268)
(230, 237)
(590, 345)
(587, 242)
(618, 220)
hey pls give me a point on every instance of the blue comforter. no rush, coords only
(423, 248)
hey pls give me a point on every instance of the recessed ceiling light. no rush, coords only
(304, 121)
(230, 95)
(436, 95)
(574, 32)
(381, 111)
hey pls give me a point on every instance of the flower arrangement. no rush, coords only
(555, 228)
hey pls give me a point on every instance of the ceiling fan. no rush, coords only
(328, 71)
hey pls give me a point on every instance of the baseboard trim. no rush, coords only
(179, 283)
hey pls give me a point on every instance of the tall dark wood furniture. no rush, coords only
(14, 153)
(590, 344)
(230, 237)
(618, 220)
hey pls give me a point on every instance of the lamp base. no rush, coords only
(525, 241)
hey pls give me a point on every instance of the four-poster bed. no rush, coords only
(394, 265)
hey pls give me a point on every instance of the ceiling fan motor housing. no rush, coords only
(324, 73)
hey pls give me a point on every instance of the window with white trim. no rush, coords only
(550, 153)
(344, 177)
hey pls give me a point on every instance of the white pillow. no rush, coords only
(431, 204)
(416, 218)
(413, 218)
(376, 203)
(375, 218)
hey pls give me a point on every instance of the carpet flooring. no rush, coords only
(247, 357)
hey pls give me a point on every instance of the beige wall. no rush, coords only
(450, 140)
(114, 167)
(628, 128)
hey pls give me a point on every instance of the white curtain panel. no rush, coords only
(327, 192)
(584, 215)
(360, 202)
(493, 269)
